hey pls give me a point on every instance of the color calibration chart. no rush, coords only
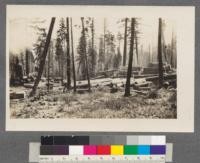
(126, 149)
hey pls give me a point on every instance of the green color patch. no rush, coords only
(130, 150)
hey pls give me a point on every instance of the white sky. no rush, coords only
(22, 35)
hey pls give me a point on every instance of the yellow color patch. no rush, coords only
(117, 149)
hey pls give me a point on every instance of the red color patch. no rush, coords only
(103, 150)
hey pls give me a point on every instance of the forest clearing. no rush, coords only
(98, 104)
(76, 71)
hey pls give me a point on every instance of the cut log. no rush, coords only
(137, 83)
(98, 77)
(145, 88)
(28, 85)
(146, 84)
(17, 95)
(82, 91)
(166, 77)
(144, 76)
(140, 92)
(150, 70)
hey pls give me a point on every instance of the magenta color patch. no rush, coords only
(90, 150)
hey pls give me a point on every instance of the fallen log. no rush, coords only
(28, 85)
(144, 76)
(146, 84)
(140, 92)
(82, 91)
(166, 77)
(98, 77)
(141, 83)
(17, 95)
(145, 88)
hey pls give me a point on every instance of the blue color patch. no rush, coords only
(144, 149)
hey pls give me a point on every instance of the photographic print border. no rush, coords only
(185, 72)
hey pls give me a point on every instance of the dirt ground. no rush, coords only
(100, 103)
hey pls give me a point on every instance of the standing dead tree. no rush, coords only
(48, 70)
(68, 56)
(173, 50)
(136, 47)
(93, 51)
(101, 58)
(150, 55)
(43, 58)
(125, 42)
(27, 63)
(104, 38)
(72, 51)
(85, 54)
(129, 71)
(61, 38)
(160, 63)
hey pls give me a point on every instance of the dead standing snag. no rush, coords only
(129, 71)
(42, 61)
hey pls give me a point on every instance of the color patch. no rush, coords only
(71, 140)
(107, 140)
(61, 140)
(117, 149)
(46, 150)
(46, 140)
(130, 150)
(60, 150)
(103, 150)
(158, 149)
(144, 140)
(97, 140)
(75, 150)
(158, 140)
(144, 150)
(81, 140)
(132, 140)
(119, 139)
(90, 150)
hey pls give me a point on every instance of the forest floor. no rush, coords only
(100, 103)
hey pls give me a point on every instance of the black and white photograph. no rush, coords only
(89, 66)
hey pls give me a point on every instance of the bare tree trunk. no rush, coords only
(27, 62)
(150, 59)
(52, 61)
(163, 45)
(22, 61)
(129, 71)
(42, 61)
(68, 57)
(61, 67)
(48, 72)
(142, 60)
(104, 41)
(136, 48)
(172, 51)
(160, 63)
(93, 66)
(125, 42)
(73, 64)
(86, 61)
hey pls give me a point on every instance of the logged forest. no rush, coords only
(93, 68)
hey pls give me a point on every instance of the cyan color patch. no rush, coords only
(144, 150)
